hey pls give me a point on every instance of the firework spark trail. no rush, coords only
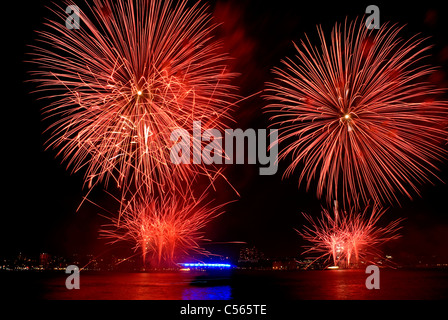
(134, 72)
(164, 229)
(359, 115)
(345, 237)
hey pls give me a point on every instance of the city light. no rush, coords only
(206, 265)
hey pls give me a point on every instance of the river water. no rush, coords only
(238, 284)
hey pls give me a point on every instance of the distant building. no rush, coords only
(252, 258)
(44, 260)
(308, 264)
(250, 255)
(285, 264)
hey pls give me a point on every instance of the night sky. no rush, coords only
(40, 196)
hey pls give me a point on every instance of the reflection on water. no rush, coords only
(143, 286)
(255, 285)
(207, 293)
(342, 285)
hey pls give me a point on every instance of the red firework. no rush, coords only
(164, 230)
(358, 114)
(133, 73)
(346, 238)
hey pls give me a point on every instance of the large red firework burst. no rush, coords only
(359, 115)
(134, 72)
(348, 237)
(165, 230)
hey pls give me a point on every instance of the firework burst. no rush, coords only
(163, 230)
(358, 114)
(133, 73)
(346, 238)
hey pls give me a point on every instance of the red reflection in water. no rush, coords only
(256, 285)
(139, 286)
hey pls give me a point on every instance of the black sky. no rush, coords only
(40, 196)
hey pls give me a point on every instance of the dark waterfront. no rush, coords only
(240, 284)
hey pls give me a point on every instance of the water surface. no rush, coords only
(239, 284)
